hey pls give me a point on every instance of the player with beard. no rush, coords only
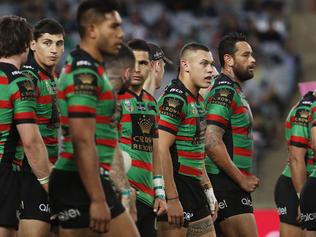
(79, 188)
(139, 138)
(18, 128)
(47, 47)
(228, 141)
(190, 197)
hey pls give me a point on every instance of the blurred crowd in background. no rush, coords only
(171, 24)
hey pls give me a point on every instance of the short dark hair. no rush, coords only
(15, 37)
(193, 46)
(93, 11)
(124, 58)
(47, 25)
(139, 45)
(227, 45)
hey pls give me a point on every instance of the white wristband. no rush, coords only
(209, 192)
(44, 180)
(159, 181)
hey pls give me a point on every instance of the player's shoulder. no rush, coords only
(223, 81)
(175, 89)
(11, 73)
(307, 101)
(149, 97)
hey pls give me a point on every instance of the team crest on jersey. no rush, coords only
(172, 107)
(223, 97)
(29, 75)
(128, 106)
(85, 84)
(26, 89)
(301, 117)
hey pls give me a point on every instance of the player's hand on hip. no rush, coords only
(249, 183)
(160, 206)
(100, 216)
(175, 213)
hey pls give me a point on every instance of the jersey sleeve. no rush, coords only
(23, 99)
(82, 100)
(172, 111)
(299, 133)
(155, 135)
(219, 105)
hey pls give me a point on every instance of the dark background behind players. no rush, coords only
(271, 26)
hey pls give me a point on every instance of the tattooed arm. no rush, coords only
(216, 150)
(119, 178)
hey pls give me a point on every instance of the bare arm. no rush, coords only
(35, 150)
(156, 158)
(297, 166)
(85, 153)
(216, 150)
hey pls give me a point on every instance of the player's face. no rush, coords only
(48, 49)
(160, 72)
(244, 62)
(201, 67)
(141, 69)
(110, 33)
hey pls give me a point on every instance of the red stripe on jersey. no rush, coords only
(50, 140)
(15, 96)
(142, 165)
(125, 96)
(288, 125)
(25, 115)
(314, 109)
(64, 120)
(67, 90)
(190, 121)
(43, 76)
(126, 118)
(103, 119)
(126, 140)
(240, 110)
(105, 166)
(182, 138)
(44, 99)
(168, 125)
(240, 130)
(108, 95)
(190, 170)
(311, 161)
(191, 155)
(245, 172)
(190, 99)
(42, 120)
(242, 151)
(4, 104)
(299, 139)
(60, 95)
(100, 70)
(142, 187)
(53, 159)
(147, 96)
(5, 127)
(4, 80)
(81, 109)
(106, 142)
(66, 155)
(67, 68)
(67, 139)
(217, 118)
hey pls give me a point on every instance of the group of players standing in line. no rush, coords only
(184, 148)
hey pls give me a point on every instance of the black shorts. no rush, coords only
(286, 200)
(145, 220)
(192, 198)
(34, 199)
(70, 201)
(9, 196)
(232, 200)
(308, 205)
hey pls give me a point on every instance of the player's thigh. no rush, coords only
(202, 228)
(310, 234)
(167, 230)
(33, 228)
(5, 232)
(288, 230)
(242, 225)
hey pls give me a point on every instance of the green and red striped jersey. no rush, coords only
(84, 91)
(228, 109)
(297, 130)
(46, 107)
(313, 124)
(17, 106)
(138, 127)
(183, 115)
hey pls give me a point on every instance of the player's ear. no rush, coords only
(33, 45)
(228, 59)
(184, 64)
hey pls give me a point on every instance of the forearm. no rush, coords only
(157, 166)
(170, 186)
(88, 165)
(205, 181)
(37, 157)
(117, 172)
(298, 173)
